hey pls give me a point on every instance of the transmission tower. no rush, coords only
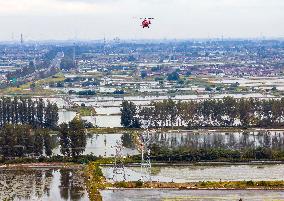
(68, 103)
(146, 166)
(118, 168)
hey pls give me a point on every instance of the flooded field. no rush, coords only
(253, 82)
(65, 116)
(186, 195)
(42, 184)
(102, 121)
(104, 144)
(107, 110)
(182, 174)
(101, 145)
(66, 184)
(229, 140)
(105, 102)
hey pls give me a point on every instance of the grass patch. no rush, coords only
(242, 184)
(26, 89)
(84, 111)
(204, 185)
(59, 77)
(111, 130)
(95, 181)
(87, 111)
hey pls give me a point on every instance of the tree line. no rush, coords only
(25, 111)
(23, 141)
(73, 139)
(206, 140)
(187, 154)
(26, 70)
(226, 112)
(26, 125)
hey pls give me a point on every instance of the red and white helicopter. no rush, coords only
(146, 22)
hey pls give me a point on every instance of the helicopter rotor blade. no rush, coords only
(137, 18)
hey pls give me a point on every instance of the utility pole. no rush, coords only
(74, 58)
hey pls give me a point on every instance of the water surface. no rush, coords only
(194, 195)
(211, 139)
(42, 184)
(102, 145)
(181, 174)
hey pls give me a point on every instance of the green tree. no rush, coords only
(64, 139)
(47, 143)
(40, 113)
(38, 143)
(72, 138)
(128, 115)
(51, 116)
(174, 76)
(144, 74)
(77, 137)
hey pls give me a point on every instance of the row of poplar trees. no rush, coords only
(226, 112)
(20, 110)
(24, 141)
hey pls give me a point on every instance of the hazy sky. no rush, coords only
(94, 19)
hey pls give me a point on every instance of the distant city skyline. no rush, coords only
(174, 19)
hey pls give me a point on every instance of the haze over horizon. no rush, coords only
(180, 19)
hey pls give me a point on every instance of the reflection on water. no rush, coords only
(65, 116)
(102, 121)
(182, 174)
(228, 140)
(186, 195)
(102, 145)
(110, 101)
(108, 121)
(107, 110)
(42, 184)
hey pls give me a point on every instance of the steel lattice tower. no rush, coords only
(118, 168)
(145, 157)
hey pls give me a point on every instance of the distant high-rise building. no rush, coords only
(74, 58)
(116, 40)
(74, 53)
(104, 45)
(22, 38)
